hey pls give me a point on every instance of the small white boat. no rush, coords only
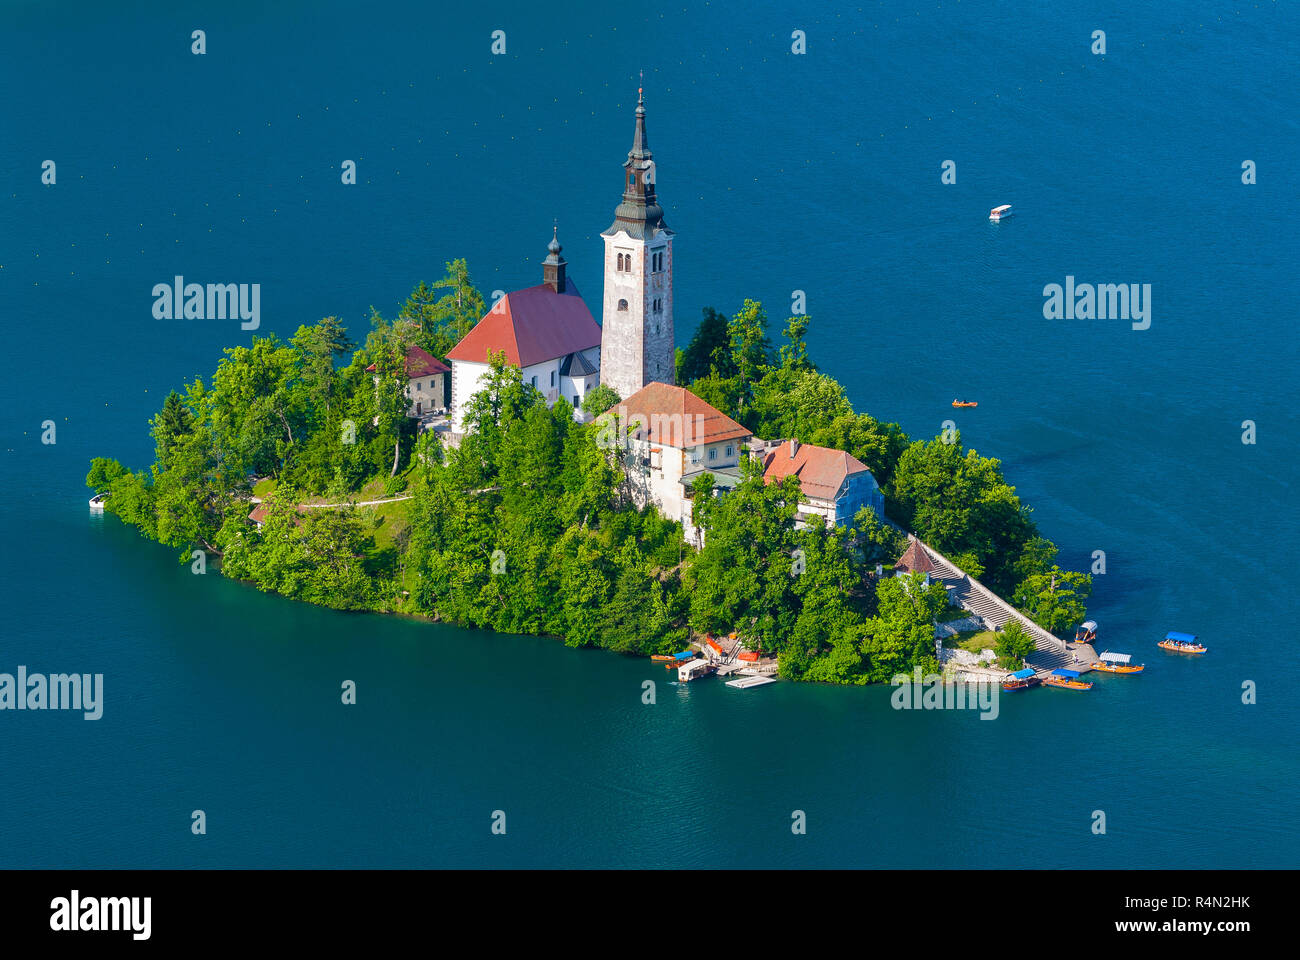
(1000, 213)
(97, 502)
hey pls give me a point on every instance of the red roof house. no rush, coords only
(835, 484)
(676, 417)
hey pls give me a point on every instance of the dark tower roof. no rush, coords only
(639, 214)
(553, 267)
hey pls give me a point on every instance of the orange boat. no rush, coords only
(965, 403)
(749, 656)
(1117, 663)
(1181, 643)
(1066, 680)
(664, 658)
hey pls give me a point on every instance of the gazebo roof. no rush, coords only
(914, 559)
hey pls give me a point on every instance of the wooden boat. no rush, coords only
(1066, 680)
(714, 646)
(664, 658)
(1087, 632)
(686, 656)
(1181, 643)
(965, 403)
(749, 656)
(1020, 680)
(1117, 663)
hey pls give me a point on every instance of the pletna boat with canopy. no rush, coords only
(1181, 643)
(1066, 680)
(1117, 663)
(1020, 680)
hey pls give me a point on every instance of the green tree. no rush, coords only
(709, 350)
(750, 348)
(600, 398)
(794, 352)
(1014, 642)
(902, 631)
(1055, 599)
(173, 423)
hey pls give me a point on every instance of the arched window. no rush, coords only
(620, 263)
(622, 304)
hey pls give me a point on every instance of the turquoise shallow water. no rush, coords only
(818, 173)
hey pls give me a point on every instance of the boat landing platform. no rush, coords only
(744, 683)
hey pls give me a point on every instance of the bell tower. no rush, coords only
(636, 344)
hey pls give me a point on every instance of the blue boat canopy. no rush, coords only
(1180, 637)
(1023, 674)
(1066, 673)
(686, 655)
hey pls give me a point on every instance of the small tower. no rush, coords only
(554, 265)
(637, 345)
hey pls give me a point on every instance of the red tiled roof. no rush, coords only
(531, 326)
(914, 560)
(419, 363)
(259, 513)
(821, 470)
(678, 418)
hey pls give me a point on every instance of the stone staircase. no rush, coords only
(997, 613)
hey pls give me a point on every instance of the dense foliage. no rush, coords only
(527, 525)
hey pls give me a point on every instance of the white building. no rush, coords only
(835, 485)
(671, 437)
(546, 331)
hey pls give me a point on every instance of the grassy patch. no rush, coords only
(977, 640)
(952, 613)
(264, 487)
(390, 519)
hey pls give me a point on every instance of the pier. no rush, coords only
(744, 683)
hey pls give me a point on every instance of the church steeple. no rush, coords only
(639, 214)
(636, 338)
(554, 265)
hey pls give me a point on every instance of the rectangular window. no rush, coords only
(730, 450)
(552, 378)
(575, 401)
(713, 454)
(534, 381)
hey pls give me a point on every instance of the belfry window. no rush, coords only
(622, 304)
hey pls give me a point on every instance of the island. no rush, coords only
(522, 468)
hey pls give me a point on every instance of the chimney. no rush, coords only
(794, 447)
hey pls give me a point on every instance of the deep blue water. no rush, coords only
(818, 173)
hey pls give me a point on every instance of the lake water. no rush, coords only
(818, 173)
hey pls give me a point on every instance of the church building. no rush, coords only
(548, 332)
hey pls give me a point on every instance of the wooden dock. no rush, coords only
(744, 683)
